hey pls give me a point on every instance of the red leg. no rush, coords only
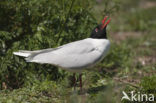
(80, 78)
(74, 78)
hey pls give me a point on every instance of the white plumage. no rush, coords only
(73, 56)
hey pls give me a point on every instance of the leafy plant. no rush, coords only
(33, 25)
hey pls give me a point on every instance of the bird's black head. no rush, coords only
(99, 32)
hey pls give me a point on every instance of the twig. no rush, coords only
(66, 19)
(123, 81)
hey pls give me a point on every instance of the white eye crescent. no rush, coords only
(96, 29)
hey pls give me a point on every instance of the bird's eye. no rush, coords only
(96, 29)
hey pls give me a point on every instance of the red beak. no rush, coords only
(103, 22)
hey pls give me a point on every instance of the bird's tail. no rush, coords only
(23, 53)
(29, 55)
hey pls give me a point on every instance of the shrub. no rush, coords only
(32, 25)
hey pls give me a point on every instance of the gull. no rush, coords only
(75, 56)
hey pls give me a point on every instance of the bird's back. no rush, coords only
(74, 56)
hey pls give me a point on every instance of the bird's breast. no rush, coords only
(102, 46)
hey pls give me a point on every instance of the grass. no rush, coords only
(130, 65)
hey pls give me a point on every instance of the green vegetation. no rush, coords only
(38, 24)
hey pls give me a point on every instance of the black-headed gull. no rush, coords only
(74, 56)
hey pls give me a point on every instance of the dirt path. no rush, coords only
(147, 4)
(120, 36)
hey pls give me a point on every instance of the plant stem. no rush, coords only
(66, 20)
